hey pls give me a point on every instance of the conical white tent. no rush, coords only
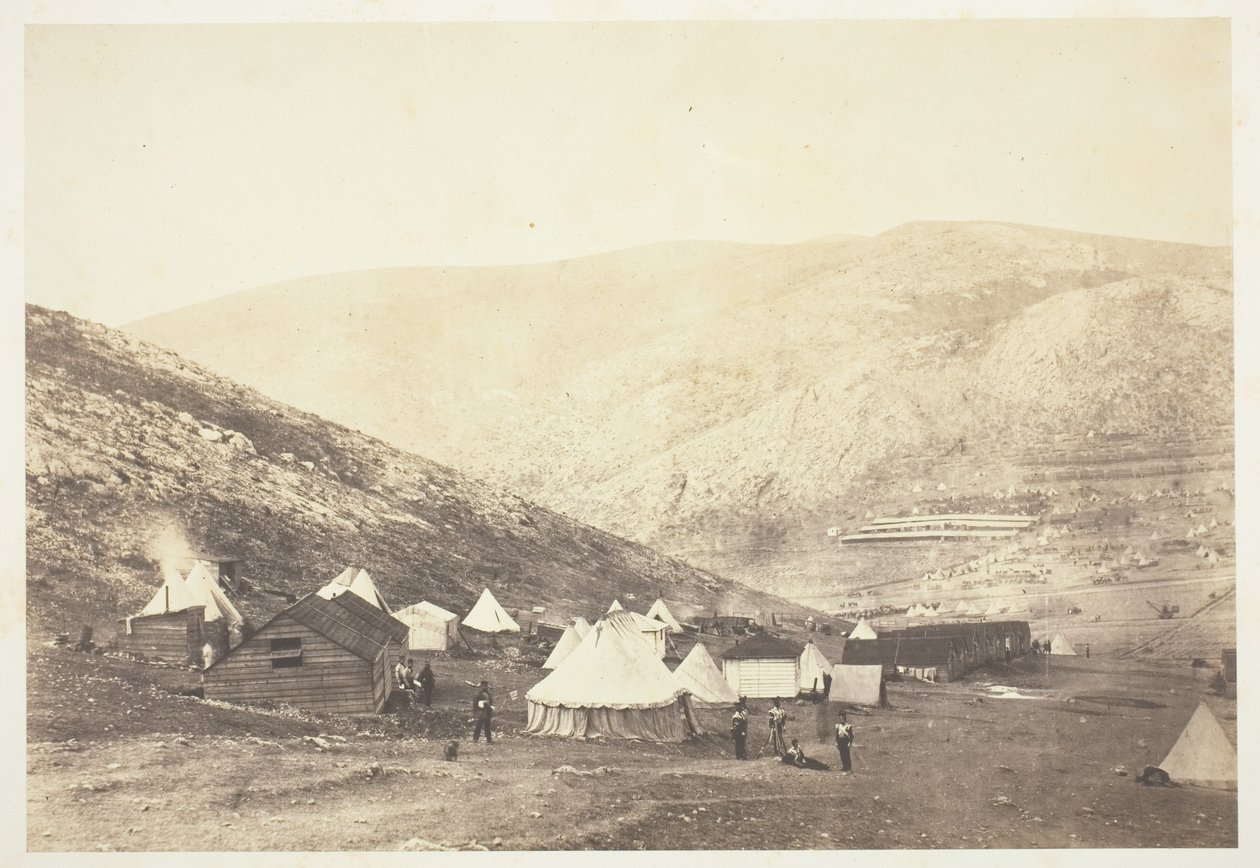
(661, 613)
(173, 596)
(611, 685)
(961, 607)
(357, 582)
(488, 616)
(582, 626)
(1203, 755)
(1201, 529)
(863, 630)
(568, 642)
(813, 667)
(699, 676)
(205, 589)
(1059, 645)
(432, 627)
(616, 606)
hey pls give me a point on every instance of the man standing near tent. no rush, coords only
(427, 680)
(778, 720)
(844, 741)
(483, 711)
(739, 729)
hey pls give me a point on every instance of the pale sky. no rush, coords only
(169, 164)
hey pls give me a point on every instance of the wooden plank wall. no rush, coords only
(330, 679)
(173, 637)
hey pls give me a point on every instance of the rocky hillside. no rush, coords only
(685, 392)
(134, 454)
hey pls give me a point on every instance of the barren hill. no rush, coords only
(681, 392)
(134, 454)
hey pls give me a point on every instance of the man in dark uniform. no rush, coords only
(483, 710)
(739, 729)
(427, 681)
(844, 740)
(778, 720)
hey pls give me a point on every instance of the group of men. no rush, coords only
(792, 754)
(416, 686)
(420, 688)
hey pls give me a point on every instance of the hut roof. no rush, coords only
(763, 646)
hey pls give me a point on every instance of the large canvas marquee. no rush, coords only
(611, 685)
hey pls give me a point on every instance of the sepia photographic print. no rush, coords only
(463, 432)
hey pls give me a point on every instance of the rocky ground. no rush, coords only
(119, 753)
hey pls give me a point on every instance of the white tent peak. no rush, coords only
(660, 612)
(205, 589)
(1060, 645)
(615, 607)
(814, 666)
(1203, 755)
(863, 630)
(700, 676)
(564, 647)
(173, 596)
(489, 617)
(358, 582)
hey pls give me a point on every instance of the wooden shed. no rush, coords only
(764, 666)
(318, 654)
(934, 658)
(168, 637)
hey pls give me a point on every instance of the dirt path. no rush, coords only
(949, 767)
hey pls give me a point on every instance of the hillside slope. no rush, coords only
(134, 454)
(689, 391)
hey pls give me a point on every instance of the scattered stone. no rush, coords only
(1087, 810)
(183, 742)
(113, 765)
(186, 418)
(241, 443)
(210, 434)
(1121, 771)
(534, 814)
(319, 743)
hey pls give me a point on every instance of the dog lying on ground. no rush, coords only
(451, 751)
(1152, 776)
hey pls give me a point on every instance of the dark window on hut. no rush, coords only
(286, 653)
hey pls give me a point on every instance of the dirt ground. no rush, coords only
(119, 758)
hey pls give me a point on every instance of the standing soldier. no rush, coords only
(778, 719)
(844, 741)
(483, 710)
(739, 729)
(426, 683)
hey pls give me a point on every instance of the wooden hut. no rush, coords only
(168, 637)
(318, 654)
(764, 666)
(932, 658)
